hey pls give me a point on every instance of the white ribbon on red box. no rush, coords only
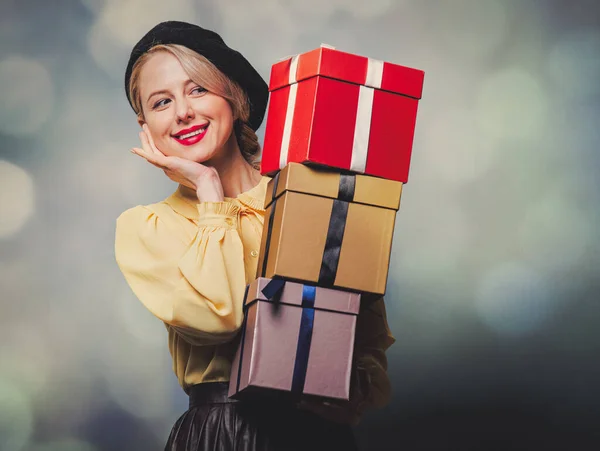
(362, 128)
(289, 114)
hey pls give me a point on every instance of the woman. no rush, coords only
(189, 257)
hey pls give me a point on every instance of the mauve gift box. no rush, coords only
(299, 342)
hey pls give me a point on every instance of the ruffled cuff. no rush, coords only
(218, 214)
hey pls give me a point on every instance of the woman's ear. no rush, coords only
(141, 120)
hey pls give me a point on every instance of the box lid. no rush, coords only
(329, 62)
(326, 182)
(292, 292)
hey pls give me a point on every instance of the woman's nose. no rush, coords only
(185, 112)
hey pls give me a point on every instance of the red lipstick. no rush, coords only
(197, 133)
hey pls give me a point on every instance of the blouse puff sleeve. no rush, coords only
(192, 282)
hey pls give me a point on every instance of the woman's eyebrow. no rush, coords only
(155, 93)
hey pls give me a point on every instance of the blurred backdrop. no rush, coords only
(493, 290)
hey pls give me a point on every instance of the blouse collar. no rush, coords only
(184, 202)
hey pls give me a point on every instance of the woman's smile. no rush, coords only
(192, 135)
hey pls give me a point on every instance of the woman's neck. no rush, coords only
(236, 174)
(238, 177)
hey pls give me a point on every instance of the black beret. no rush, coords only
(210, 45)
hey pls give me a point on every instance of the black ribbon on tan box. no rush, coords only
(335, 231)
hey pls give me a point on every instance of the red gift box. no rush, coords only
(343, 111)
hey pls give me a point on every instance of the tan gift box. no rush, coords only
(329, 228)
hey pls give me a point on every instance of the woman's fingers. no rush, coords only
(158, 160)
(150, 149)
(149, 158)
(186, 172)
(152, 146)
(145, 143)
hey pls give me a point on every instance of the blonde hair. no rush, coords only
(206, 74)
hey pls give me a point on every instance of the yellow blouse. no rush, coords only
(189, 262)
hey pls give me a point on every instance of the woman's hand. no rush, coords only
(203, 179)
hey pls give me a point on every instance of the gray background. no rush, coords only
(493, 288)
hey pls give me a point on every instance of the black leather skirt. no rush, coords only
(214, 422)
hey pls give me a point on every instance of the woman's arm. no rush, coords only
(194, 283)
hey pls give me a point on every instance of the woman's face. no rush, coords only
(184, 119)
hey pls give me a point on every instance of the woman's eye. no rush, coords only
(198, 90)
(161, 103)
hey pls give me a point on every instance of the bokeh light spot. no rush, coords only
(27, 94)
(455, 148)
(16, 198)
(512, 104)
(122, 23)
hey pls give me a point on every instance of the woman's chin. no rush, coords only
(191, 153)
(199, 157)
(199, 152)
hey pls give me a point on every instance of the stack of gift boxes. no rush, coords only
(338, 143)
